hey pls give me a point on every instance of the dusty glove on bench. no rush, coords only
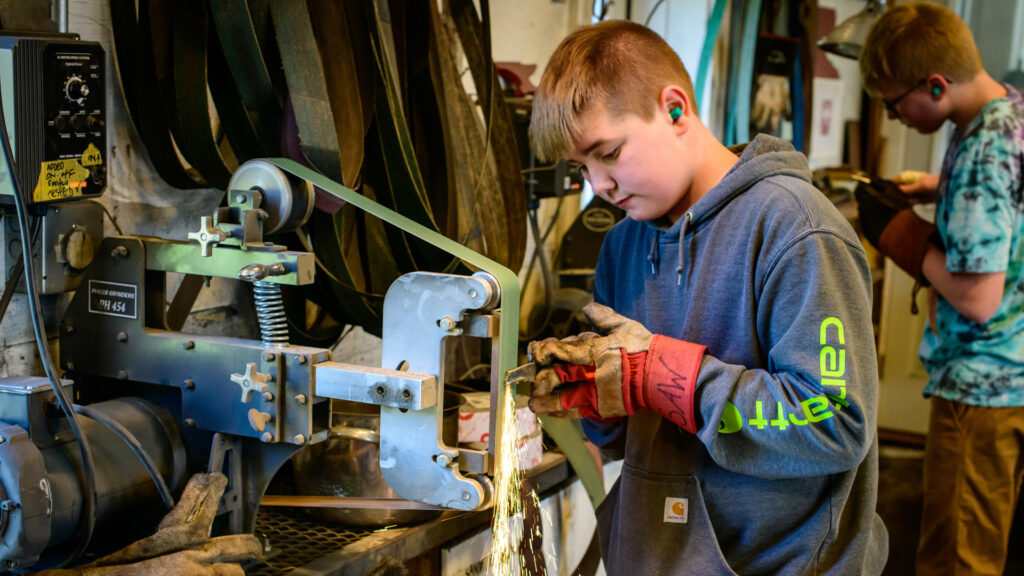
(182, 543)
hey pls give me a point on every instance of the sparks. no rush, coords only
(507, 500)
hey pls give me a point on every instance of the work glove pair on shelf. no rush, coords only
(889, 223)
(182, 544)
(613, 375)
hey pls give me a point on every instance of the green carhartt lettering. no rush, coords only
(832, 361)
(732, 420)
(781, 423)
(760, 422)
(831, 322)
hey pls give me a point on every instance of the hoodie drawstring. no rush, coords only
(654, 256)
(687, 218)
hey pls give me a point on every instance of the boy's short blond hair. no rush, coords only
(617, 64)
(911, 41)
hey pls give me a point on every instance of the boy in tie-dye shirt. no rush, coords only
(922, 61)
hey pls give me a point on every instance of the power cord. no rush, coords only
(85, 528)
(136, 447)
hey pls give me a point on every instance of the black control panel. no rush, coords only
(59, 116)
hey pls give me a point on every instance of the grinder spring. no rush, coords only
(270, 314)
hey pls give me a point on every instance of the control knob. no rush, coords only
(76, 89)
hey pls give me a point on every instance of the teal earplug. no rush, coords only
(675, 113)
(936, 90)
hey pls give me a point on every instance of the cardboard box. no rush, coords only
(475, 417)
(475, 422)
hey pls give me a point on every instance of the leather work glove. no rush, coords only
(614, 375)
(897, 232)
(182, 543)
(771, 102)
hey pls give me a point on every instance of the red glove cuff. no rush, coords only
(670, 380)
(582, 396)
(568, 373)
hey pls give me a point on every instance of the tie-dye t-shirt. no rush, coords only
(980, 214)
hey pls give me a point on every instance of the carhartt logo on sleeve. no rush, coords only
(677, 510)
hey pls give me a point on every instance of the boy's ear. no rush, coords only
(937, 85)
(676, 103)
(673, 97)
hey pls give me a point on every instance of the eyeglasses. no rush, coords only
(890, 105)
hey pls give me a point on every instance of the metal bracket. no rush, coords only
(224, 451)
(421, 312)
(394, 388)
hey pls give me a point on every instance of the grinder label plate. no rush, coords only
(113, 299)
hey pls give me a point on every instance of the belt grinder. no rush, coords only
(244, 406)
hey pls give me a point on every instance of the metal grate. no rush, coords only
(297, 540)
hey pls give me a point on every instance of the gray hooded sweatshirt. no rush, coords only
(782, 474)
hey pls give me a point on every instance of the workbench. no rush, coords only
(303, 546)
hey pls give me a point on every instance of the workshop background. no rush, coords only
(413, 114)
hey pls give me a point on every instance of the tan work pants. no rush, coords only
(973, 468)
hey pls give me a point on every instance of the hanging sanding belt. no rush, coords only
(405, 180)
(306, 85)
(236, 32)
(333, 235)
(566, 433)
(235, 120)
(160, 36)
(483, 221)
(478, 224)
(510, 205)
(356, 252)
(333, 28)
(708, 50)
(142, 95)
(195, 139)
(739, 112)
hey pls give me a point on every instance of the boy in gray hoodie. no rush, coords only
(735, 369)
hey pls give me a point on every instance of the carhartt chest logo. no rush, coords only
(677, 510)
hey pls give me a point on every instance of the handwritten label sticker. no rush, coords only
(60, 179)
(92, 156)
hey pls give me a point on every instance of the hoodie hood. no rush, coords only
(762, 158)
